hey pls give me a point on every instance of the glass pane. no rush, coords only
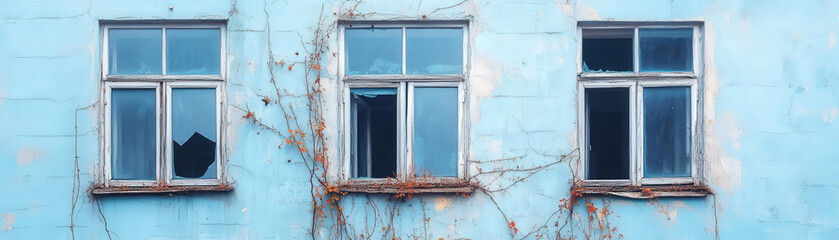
(666, 50)
(667, 132)
(133, 134)
(434, 50)
(608, 133)
(135, 51)
(194, 132)
(193, 51)
(374, 132)
(373, 51)
(435, 132)
(607, 50)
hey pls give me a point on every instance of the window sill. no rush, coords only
(417, 186)
(646, 192)
(121, 190)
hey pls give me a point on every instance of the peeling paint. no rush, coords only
(441, 203)
(482, 83)
(27, 155)
(723, 171)
(769, 157)
(829, 115)
(8, 222)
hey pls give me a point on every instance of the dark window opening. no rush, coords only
(608, 133)
(607, 50)
(374, 133)
(194, 133)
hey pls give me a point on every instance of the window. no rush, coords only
(638, 102)
(403, 100)
(163, 104)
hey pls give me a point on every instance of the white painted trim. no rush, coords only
(163, 27)
(410, 122)
(636, 64)
(636, 52)
(347, 173)
(404, 26)
(163, 50)
(693, 136)
(106, 169)
(583, 122)
(409, 134)
(405, 84)
(404, 51)
(402, 148)
(636, 81)
(168, 161)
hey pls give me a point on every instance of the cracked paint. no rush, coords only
(767, 138)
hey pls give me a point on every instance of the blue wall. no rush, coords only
(770, 103)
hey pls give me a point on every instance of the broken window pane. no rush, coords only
(434, 50)
(608, 133)
(193, 51)
(435, 131)
(607, 50)
(374, 129)
(373, 51)
(667, 129)
(666, 49)
(134, 51)
(194, 132)
(133, 134)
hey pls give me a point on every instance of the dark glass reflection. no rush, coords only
(608, 133)
(194, 132)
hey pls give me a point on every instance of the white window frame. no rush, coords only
(169, 158)
(404, 84)
(636, 82)
(163, 26)
(109, 86)
(163, 85)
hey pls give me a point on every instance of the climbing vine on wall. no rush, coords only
(304, 131)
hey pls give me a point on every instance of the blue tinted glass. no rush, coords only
(435, 131)
(133, 128)
(667, 131)
(666, 50)
(193, 51)
(434, 50)
(373, 51)
(194, 132)
(134, 51)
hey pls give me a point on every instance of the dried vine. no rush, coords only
(305, 133)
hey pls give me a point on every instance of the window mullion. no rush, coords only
(163, 123)
(163, 49)
(404, 47)
(636, 134)
(409, 130)
(635, 51)
(402, 146)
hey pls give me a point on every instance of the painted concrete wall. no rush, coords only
(770, 144)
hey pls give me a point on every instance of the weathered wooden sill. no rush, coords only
(646, 192)
(115, 190)
(414, 186)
